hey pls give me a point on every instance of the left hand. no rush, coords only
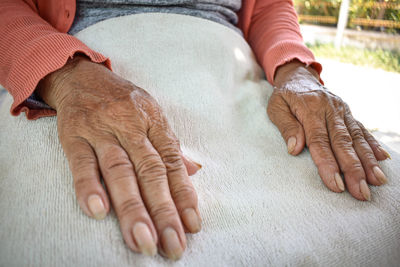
(306, 113)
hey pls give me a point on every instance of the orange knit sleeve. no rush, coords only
(30, 48)
(274, 35)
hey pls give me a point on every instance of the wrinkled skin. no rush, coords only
(306, 113)
(110, 128)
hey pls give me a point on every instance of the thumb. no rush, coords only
(291, 130)
(191, 166)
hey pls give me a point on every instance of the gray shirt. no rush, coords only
(89, 12)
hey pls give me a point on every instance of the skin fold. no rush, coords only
(111, 129)
(306, 113)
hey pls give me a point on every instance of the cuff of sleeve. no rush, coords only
(284, 52)
(45, 56)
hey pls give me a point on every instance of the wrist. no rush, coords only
(50, 88)
(294, 69)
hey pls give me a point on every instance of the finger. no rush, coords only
(181, 187)
(153, 183)
(375, 176)
(191, 166)
(320, 149)
(346, 156)
(90, 194)
(379, 152)
(136, 225)
(289, 127)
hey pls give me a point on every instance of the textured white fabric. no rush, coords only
(260, 206)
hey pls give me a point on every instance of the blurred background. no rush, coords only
(358, 44)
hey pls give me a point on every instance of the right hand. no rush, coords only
(110, 128)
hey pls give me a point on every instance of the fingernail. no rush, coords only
(191, 220)
(194, 162)
(144, 239)
(385, 152)
(171, 244)
(291, 144)
(380, 175)
(96, 207)
(365, 190)
(339, 182)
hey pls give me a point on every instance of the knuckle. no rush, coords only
(341, 138)
(367, 156)
(177, 143)
(373, 142)
(171, 157)
(119, 180)
(141, 99)
(345, 106)
(138, 141)
(332, 115)
(322, 95)
(325, 162)
(338, 100)
(362, 127)
(140, 92)
(150, 168)
(162, 211)
(173, 162)
(152, 182)
(333, 103)
(81, 161)
(351, 166)
(184, 193)
(335, 110)
(370, 138)
(130, 206)
(170, 145)
(115, 161)
(370, 159)
(357, 134)
(318, 139)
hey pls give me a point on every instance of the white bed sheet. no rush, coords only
(260, 206)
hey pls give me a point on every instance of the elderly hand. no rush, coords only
(305, 112)
(110, 128)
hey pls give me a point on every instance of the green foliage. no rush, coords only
(364, 9)
(382, 59)
(318, 7)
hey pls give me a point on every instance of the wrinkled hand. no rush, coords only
(110, 128)
(306, 113)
